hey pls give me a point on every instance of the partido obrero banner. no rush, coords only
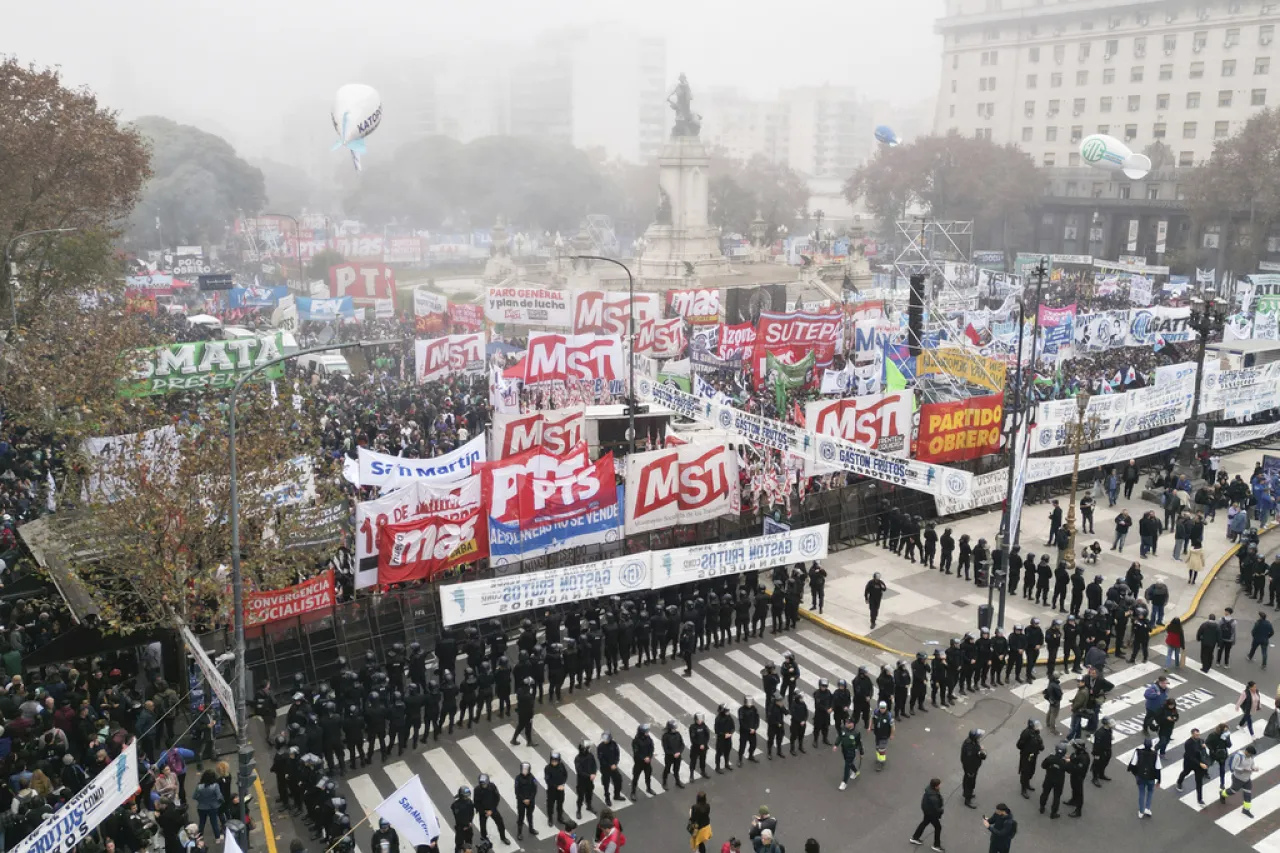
(498, 596)
(81, 815)
(863, 461)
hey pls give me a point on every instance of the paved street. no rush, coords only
(878, 808)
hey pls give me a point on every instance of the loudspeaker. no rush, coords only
(915, 313)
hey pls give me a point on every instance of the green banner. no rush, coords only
(202, 364)
(783, 376)
(1268, 305)
(684, 383)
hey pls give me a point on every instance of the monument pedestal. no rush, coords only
(682, 235)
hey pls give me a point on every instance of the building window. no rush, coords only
(1135, 74)
(1084, 51)
(1224, 98)
(1266, 34)
(1113, 47)
(1077, 133)
(1166, 72)
(1108, 75)
(1073, 188)
(955, 61)
(1053, 108)
(1031, 81)
(1049, 159)
(1262, 65)
(1188, 130)
(1125, 191)
(1153, 192)
(982, 84)
(1096, 189)
(1193, 100)
(1073, 159)
(1197, 70)
(1221, 129)
(1158, 130)
(1228, 68)
(1029, 108)
(1033, 54)
(1051, 134)
(1055, 79)
(1027, 134)
(953, 87)
(1104, 128)
(1170, 44)
(982, 110)
(1059, 53)
(1140, 47)
(1104, 104)
(1162, 102)
(1259, 98)
(1082, 78)
(1199, 40)
(953, 111)
(1143, 18)
(1135, 103)
(1233, 37)
(986, 58)
(990, 35)
(1186, 158)
(1077, 106)
(1130, 132)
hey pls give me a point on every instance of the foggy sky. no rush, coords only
(246, 68)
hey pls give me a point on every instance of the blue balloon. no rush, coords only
(885, 135)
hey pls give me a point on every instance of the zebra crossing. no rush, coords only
(651, 695)
(1201, 707)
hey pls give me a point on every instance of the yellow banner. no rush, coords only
(962, 364)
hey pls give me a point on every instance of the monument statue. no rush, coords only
(688, 123)
(663, 216)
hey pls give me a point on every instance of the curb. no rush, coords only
(850, 635)
(267, 832)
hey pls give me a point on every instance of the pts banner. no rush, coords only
(967, 429)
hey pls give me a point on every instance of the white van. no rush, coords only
(325, 363)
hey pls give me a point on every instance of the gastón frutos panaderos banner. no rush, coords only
(202, 364)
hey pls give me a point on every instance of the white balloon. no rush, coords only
(357, 111)
(1106, 152)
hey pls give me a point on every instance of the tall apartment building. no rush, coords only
(831, 133)
(1045, 74)
(743, 126)
(598, 86)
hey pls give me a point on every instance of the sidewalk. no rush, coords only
(924, 608)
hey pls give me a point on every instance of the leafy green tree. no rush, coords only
(954, 177)
(739, 191)
(67, 163)
(199, 185)
(1240, 188)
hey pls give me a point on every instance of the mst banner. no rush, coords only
(527, 306)
(573, 358)
(556, 433)
(81, 815)
(680, 485)
(608, 312)
(202, 364)
(966, 429)
(274, 605)
(435, 359)
(880, 421)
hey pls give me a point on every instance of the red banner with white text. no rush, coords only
(424, 547)
(261, 608)
(553, 357)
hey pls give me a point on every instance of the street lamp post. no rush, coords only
(13, 279)
(297, 245)
(243, 749)
(1079, 434)
(1205, 315)
(631, 355)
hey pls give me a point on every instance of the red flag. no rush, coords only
(972, 334)
(798, 414)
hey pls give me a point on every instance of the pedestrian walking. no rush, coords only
(1250, 703)
(849, 743)
(1195, 763)
(1207, 635)
(1260, 636)
(1145, 767)
(1165, 719)
(971, 757)
(1002, 828)
(872, 595)
(1242, 766)
(1195, 564)
(1226, 637)
(1175, 640)
(882, 729)
(700, 823)
(931, 806)
(1055, 774)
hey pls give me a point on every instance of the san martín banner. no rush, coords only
(202, 364)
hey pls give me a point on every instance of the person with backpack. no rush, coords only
(1154, 698)
(1145, 767)
(1218, 744)
(932, 807)
(1242, 766)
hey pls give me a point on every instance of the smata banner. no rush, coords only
(533, 591)
(699, 305)
(720, 559)
(527, 306)
(424, 547)
(609, 312)
(452, 355)
(799, 334)
(310, 596)
(554, 357)
(555, 432)
(416, 499)
(969, 366)
(555, 513)
(737, 342)
(879, 421)
(95, 802)
(202, 364)
(387, 471)
(662, 338)
(966, 429)
(680, 485)
(362, 282)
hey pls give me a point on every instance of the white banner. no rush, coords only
(835, 452)
(1162, 237)
(452, 355)
(426, 304)
(719, 559)
(411, 813)
(113, 458)
(218, 684)
(608, 312)
(494, 597)
(987, 489)
(881, 421)
(387, 471)
(553, 357)
(1121, 414)
(556, 432)
(81, 815)
(419, 497)
(1140, 290)
(527, 306)
(1166, 373)
(1132, 245)
(1057, 466)
(1227, 436)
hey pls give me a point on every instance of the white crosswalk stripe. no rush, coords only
(1204, 723)
(731, 678)
(1111, 707)
(584, 724)
(854, 661)
(1266, 761)
(701, 684)
(690, 705)
(367, 797)
(832, 670)
(773, 654)
(485, 762)
(658, 715)
(1123, 676)
(553, 739)
(399, 773)
(616, 713)
(453, 778)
